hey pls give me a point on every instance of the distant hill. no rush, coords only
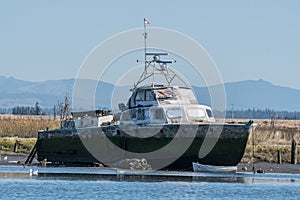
(257, 94)
(262, 94)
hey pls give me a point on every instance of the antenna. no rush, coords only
(158, 66)
(146, 21)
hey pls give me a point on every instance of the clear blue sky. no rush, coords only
(45, 40)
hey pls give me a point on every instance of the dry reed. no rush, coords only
(25, 126)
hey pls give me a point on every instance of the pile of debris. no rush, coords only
(133, 164)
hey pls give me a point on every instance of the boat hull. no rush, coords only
(172, 146)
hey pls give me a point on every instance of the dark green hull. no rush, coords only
(173, 146)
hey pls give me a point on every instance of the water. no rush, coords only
(91, 183)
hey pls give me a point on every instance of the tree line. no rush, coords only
(258, 114)
(27, 110)
(62, 109)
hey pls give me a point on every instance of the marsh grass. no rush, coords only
(24, 145)
(23, 126)
(271, 136)
(22, 129)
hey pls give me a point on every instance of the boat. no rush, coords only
(213, 169)
(162, 125)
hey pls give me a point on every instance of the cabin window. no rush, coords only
(131, 102)
(140, 96)
(150, 95)
(196, 113)
(209, 113)
(159, 114)
(132, 113)
(141, 114)
(174, 113)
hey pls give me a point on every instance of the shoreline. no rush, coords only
(260, 167)
(264, 167)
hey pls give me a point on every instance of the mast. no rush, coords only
(159, 67)
(146, 21)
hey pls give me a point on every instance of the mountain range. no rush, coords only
(258, 94)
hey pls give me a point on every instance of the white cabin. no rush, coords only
(83, 119)
(165, 104)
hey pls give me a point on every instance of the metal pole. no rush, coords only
(278, 156)
(294, 152)
(145, 38)
(253, 145)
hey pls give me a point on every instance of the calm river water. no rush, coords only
(91, 183)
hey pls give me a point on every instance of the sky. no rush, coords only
(248, 40)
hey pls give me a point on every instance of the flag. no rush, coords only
(146, 21)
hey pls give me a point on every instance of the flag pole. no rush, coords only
(145, 43)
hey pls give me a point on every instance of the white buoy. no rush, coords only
(33, 172)
(5, 158)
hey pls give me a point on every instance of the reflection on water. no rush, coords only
(89, 183)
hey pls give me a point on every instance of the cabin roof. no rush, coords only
(162, 95)
(158, 87)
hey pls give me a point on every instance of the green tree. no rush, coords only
(37, 108)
